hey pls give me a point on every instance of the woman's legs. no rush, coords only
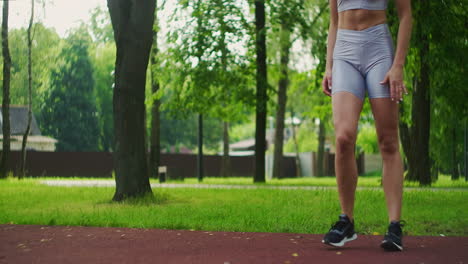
(346, 110)
(386, 122)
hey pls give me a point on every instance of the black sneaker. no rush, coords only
(340, 233)
(393, 238)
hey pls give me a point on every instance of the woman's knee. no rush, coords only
(345, 142)
(388, 145)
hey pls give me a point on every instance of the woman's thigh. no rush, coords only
(346, 111)
(386, 117)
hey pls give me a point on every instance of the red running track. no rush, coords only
(59, 244)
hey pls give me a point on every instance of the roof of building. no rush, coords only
(32, 139)
(248, 144)
(19, 121)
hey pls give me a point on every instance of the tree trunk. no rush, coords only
(465, 152)
(321, 149)
(285, 45)
(226, 163)
(155, 149)
(296, 148)
(200, 148)
(261, 107)
(455, 173)
(22, 172)
(6, 93)
(132, 21)
(405, 138)
(419, 162)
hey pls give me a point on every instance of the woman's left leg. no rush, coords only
(386, 122)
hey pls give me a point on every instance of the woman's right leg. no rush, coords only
(348, 92)
(346, 110)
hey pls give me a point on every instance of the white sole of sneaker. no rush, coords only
(342, 242)
(391, 246)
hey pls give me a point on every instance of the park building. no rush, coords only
(18, 125)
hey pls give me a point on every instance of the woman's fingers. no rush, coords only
(326, 84)
(396, 85)
(385, 80)
(400, 92)
(405, 90)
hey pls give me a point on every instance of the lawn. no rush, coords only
(261, 210)
(371, 180)
(364, 181)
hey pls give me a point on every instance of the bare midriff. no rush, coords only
(360, 19)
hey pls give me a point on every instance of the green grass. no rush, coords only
(260, 210)
(371, 180)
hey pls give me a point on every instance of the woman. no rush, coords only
(360, 59)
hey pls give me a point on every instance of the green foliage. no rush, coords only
(367, 140)
(209, 67)
(242, 131)
(306, 138)
(183, 132)
(103, 60)
(45, 47)
(447, 65)
(205, 72)
(448, 84)
(100, 26)
(69, 109)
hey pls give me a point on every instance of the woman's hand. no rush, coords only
(394, 78)
(327, 83)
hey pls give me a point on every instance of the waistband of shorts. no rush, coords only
(380, 30)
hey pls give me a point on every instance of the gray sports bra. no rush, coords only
(362, 4)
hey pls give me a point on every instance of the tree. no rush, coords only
(155, 147)
(46, 45)
(69, 109)
(448, 105)
(28, 126)
(419, 161)
(230, 89)
(285, 46)
(103, 58)
(434, 63)
(317, 30)
(324, 116)
(207, 76)
(262, 98)
(132, 22)
(6, 93)
(291, 17)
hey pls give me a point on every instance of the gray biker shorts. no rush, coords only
(361, 59)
